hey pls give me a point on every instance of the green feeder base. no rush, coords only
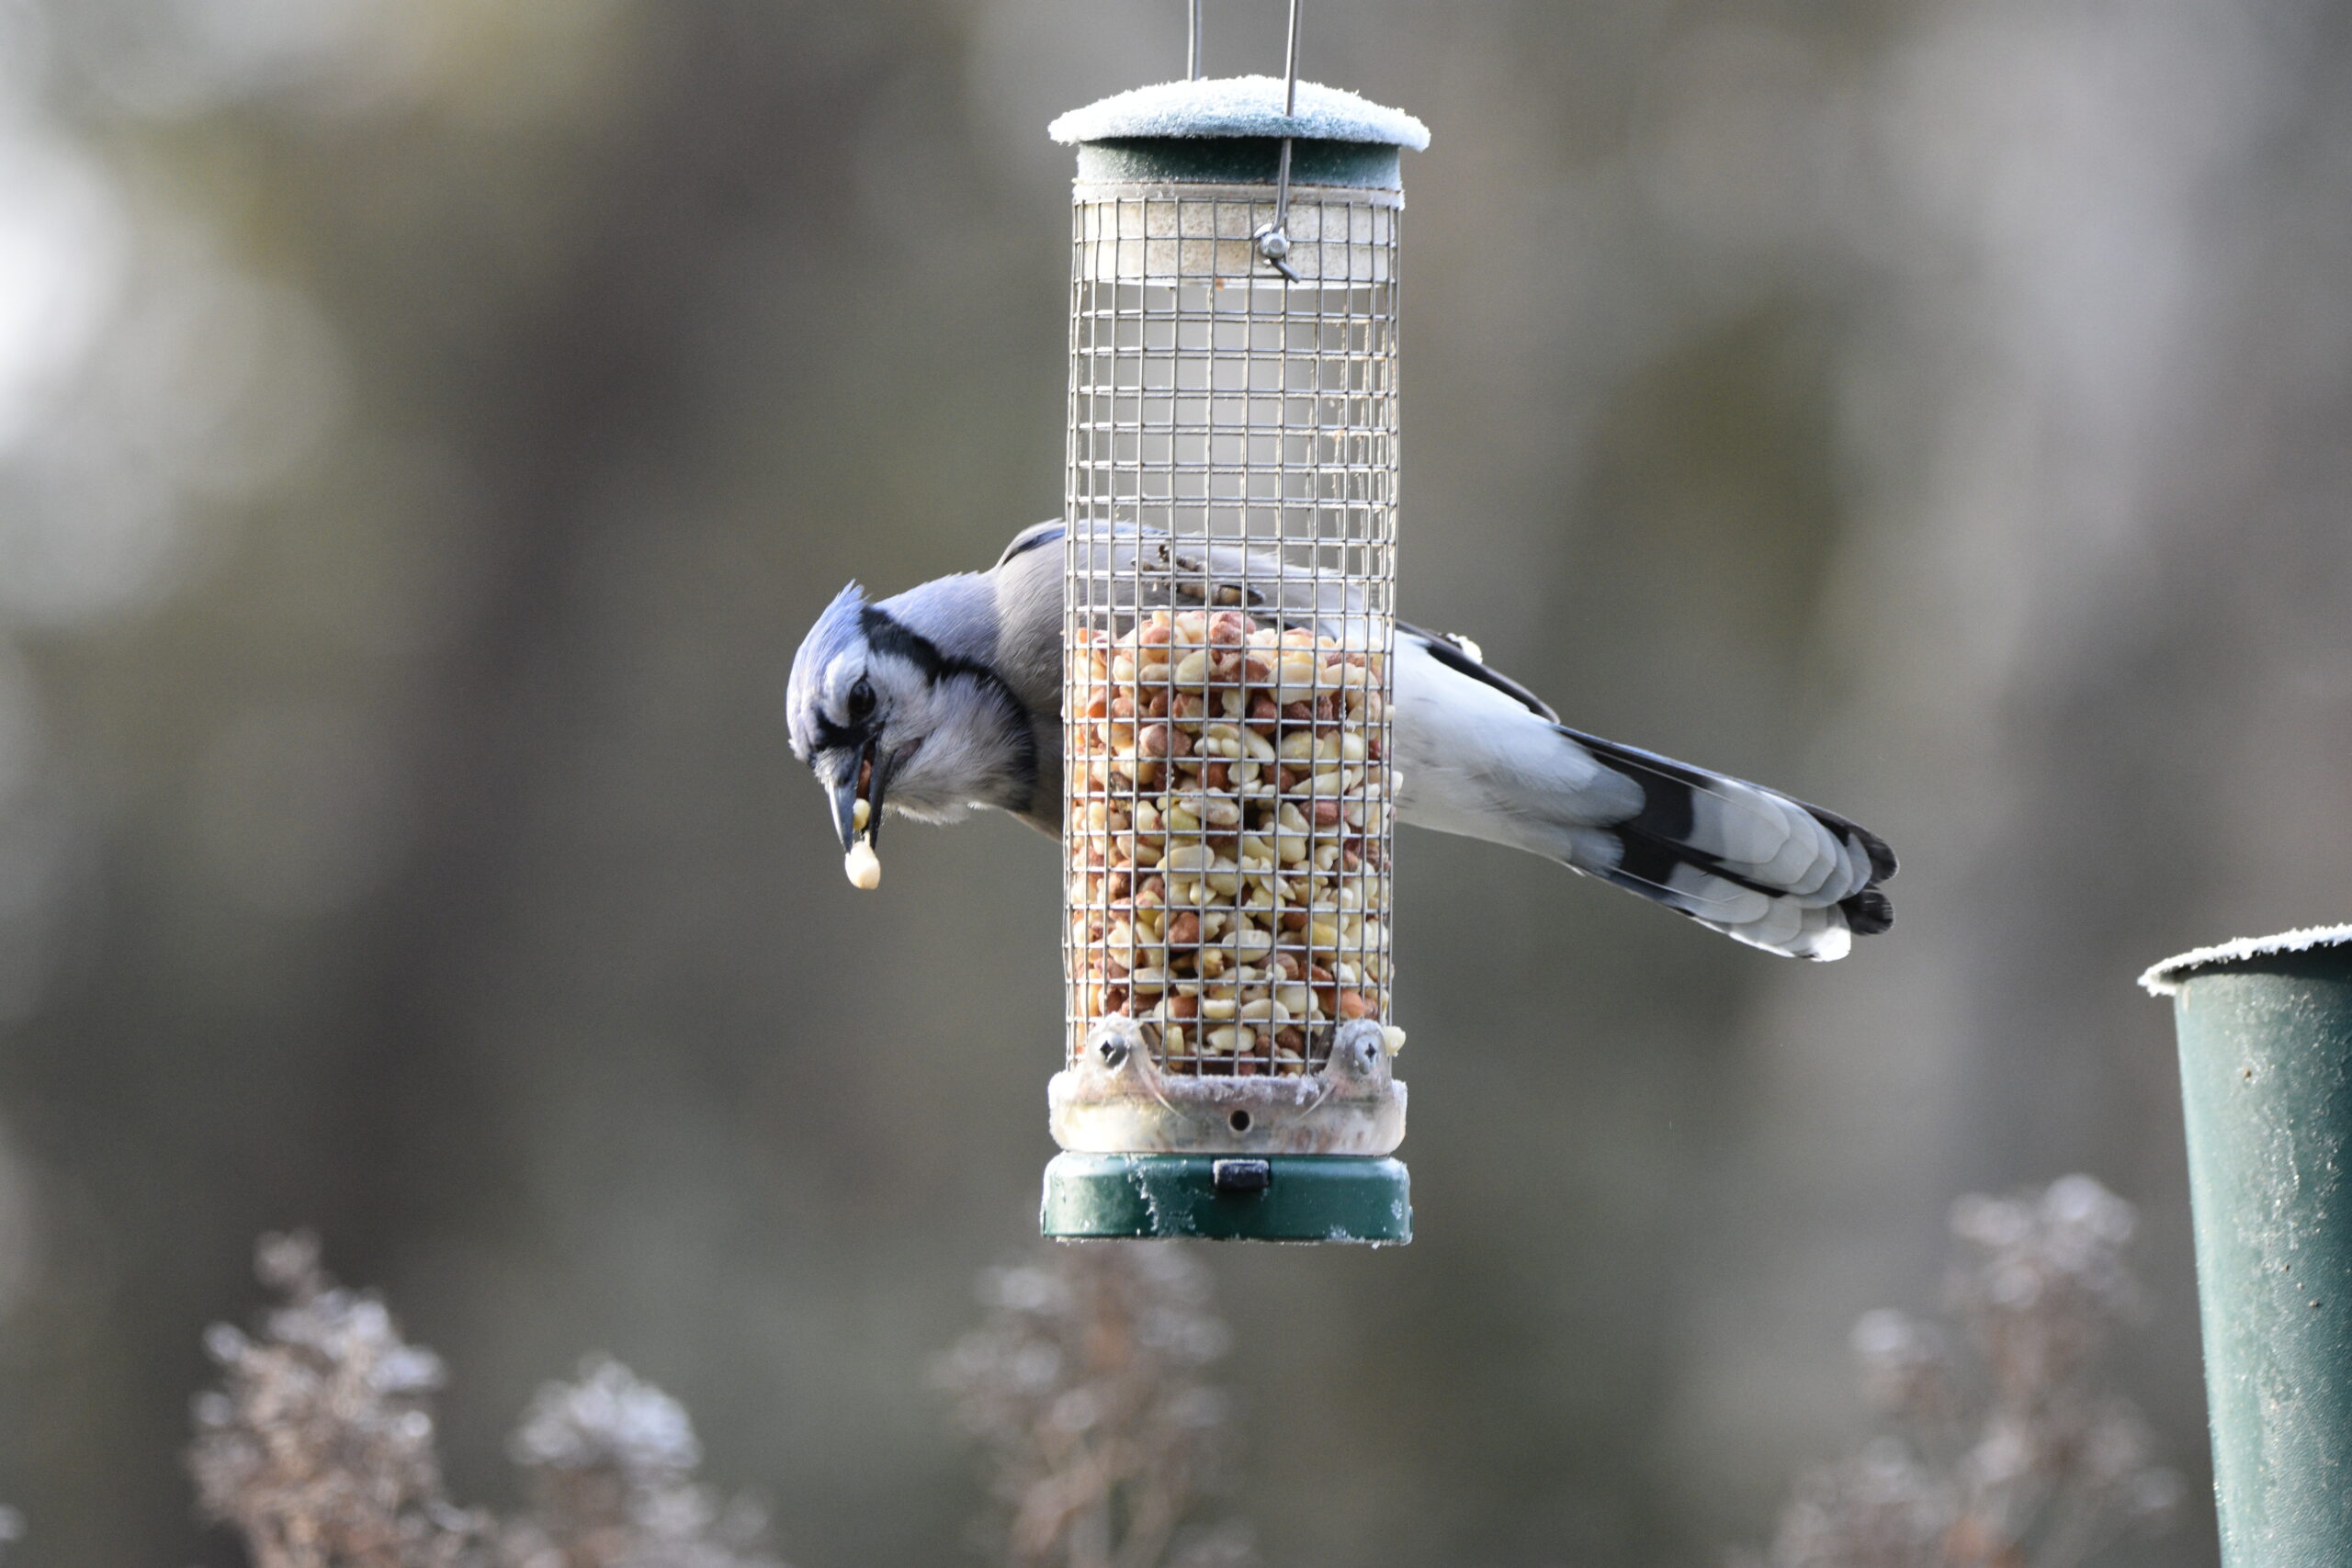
(1346, 1198)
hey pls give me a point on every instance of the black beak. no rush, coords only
(846, 791)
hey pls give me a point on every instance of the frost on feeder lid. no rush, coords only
(2166, 979)
(1231, 129)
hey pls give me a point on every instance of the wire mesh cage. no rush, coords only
(1230, 566)
(1230, 577)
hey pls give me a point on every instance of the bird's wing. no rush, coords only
(1143, 567)
(1146, 568)
(1028, 583)
(1034, 536)
(1461, 655)
(1479, 756)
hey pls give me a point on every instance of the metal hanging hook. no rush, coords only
(1273, 239)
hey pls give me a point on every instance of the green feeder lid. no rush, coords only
(1229, 130)
(1343, 1198)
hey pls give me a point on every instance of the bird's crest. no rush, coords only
(836, 631)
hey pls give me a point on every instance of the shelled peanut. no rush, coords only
(1227, 831)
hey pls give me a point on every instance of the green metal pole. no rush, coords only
(2266, 1074)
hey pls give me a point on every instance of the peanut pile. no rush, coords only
(1228, 839)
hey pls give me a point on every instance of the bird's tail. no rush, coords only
(1749, 862)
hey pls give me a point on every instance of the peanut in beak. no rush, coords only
(862, 864)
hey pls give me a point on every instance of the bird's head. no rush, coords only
(843, 699)
(878, 711)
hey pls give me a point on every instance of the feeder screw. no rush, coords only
(1273, 245)
(1114, 1042)
(1358, 1052)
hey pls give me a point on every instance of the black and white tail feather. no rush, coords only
(1483, 756)
(964, 676)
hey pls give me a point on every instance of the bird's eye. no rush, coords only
(861, 700)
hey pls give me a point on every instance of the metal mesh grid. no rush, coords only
(1230, 575)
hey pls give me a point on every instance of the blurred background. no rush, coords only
(428, 426)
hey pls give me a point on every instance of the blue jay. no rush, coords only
(948, 696)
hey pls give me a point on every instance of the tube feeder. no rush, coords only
(1230, 573)
(2265, 1028)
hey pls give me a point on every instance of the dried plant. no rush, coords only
(2013, 1455)
(1084, 1384)
(318, 1448)
(611, 1459)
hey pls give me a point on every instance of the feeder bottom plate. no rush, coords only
(1340, 1198)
